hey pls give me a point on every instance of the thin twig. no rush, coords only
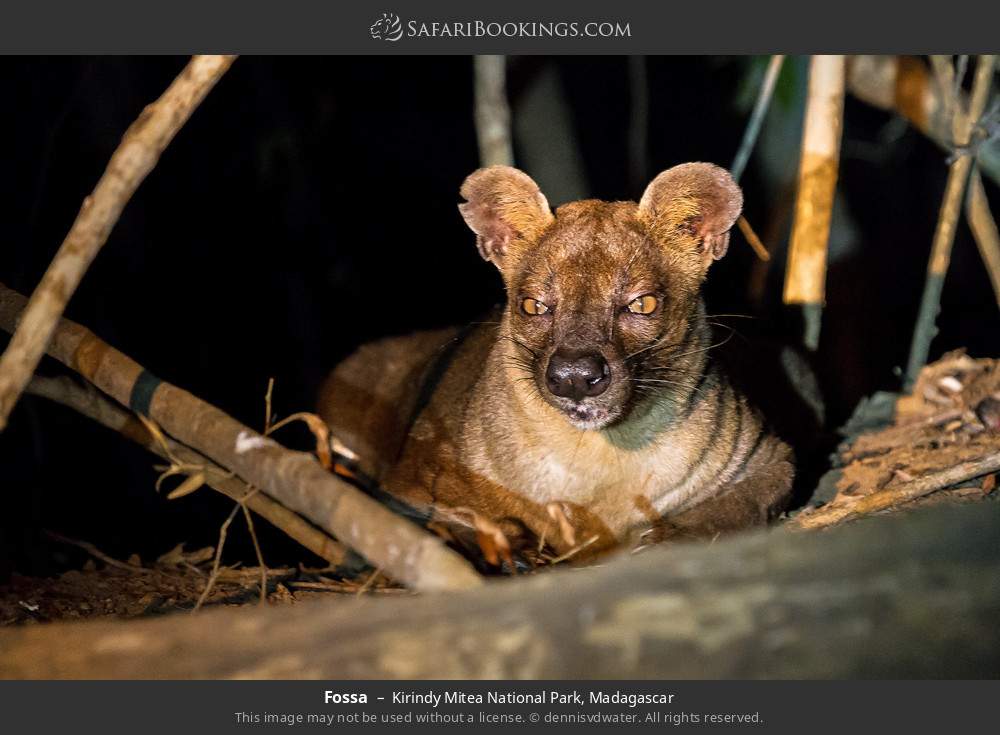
(984, 228)
(890, 497)
(256, 548)
(368, 582)
(575, 550)
(223, 530)
(757, 116)
(98, 554)
(134, 158)
(750, 141)
(751, 237)
(267, 406)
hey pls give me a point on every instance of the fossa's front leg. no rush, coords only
(755, 500)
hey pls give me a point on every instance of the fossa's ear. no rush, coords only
(505, 209)
(693, 206)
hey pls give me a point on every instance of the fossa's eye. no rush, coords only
(643, 305)
(533, 307)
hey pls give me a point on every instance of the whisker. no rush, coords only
(737, 316)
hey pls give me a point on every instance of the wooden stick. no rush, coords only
(93, 405)
(751, 237)
(492, 111)
(295, 479)
(805, 277)
(984, 228)
(944, 234)
(134, 158)
(98, 554)
(891, 497)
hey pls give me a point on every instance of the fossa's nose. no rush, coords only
(577, 376)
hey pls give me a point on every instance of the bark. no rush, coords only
(401, 549)
(134, 158)
(909, 595)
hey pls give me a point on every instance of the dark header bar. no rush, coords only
(511, 27)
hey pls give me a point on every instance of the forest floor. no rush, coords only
(950, 420)
(108, 588)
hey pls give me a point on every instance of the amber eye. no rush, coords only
(643, 305)
(533, 307)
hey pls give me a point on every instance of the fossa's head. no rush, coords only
(602, 296)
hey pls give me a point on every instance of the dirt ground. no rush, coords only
(176, 582)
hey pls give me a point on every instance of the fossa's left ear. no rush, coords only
(693, 205)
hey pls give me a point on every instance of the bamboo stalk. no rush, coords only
(944, 234)
(805, 277)
(492, 112)
(984, 228)
(134, 158)
(891, 497)
(295, 479)
(94, 406)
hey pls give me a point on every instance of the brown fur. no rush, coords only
(670, 445)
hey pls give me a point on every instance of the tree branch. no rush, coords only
(295, 479)
(135, 157)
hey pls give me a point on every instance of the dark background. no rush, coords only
(309, 205)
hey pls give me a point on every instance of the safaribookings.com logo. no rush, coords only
(387, 28)
(390, 28)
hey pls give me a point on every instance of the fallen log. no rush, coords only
(404, 551)
(908, 595)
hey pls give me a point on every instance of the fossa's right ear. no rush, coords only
(506, 210)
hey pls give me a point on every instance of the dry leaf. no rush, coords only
(319, 430)
(192, 483)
